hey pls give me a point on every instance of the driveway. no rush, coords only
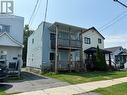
(78, 88)
(31, 82)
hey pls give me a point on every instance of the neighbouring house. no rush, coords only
(62, 46)
(118, 56)
(11, 38)
(91, 39)
(42, 47)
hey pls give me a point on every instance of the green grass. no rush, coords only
(119, 89)
(3, 93)
(75, 78)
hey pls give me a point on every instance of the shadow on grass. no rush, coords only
(4, 87)
(95, 74)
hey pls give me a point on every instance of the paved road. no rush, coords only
(31, 82)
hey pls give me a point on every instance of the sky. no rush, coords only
(82, 13)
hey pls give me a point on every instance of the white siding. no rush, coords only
(16, 26)
(34, 54)
(11, 52)
(6, 41)
(93, 35)
(113, 54)
(16, 32)
(46, 45)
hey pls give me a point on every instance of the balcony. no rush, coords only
(66, 65)
(66, 44)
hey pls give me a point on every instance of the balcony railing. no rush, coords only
(66, 65)
(66, 43)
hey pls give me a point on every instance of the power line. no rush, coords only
(35, 13)
(46, 10)
(35, 8)
(114, 22)
(116, 19)
(120, 3)
(45, 14)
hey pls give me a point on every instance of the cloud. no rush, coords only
(116, 40)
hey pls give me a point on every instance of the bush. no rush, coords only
(100, 63)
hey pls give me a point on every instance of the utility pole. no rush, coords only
(120, 3)
(44, 25)
(56, 50)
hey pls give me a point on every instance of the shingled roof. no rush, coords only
(113, 49)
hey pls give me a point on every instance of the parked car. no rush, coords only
(3, 70)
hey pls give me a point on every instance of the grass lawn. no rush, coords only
(119, 89)
(75, 78)
(3, 93)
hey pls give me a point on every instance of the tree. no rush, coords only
(27, 33)
(100, 63)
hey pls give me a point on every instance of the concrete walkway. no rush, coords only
(76, 89)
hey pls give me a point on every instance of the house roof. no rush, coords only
(124, 52)
(12, 39)
(93, 50)
(113, 49)
(67, 27)
(10, 16)
(93, 28)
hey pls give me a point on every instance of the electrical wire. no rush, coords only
(35, 8)
(113, 21)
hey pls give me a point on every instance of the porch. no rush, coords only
(91, 57)
(67, 60)
(67, 65)
(121, 59)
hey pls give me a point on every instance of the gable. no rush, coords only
(93, 31)
(6, 40)
(92, 34)
(118, 50)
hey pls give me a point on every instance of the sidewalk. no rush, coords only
(76, 89)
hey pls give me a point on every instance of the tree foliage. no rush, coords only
(100, 63)
(27, 33)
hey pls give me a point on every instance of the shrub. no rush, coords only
(100, 63)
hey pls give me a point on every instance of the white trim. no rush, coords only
(15, 41)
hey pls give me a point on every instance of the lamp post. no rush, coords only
(120, 3)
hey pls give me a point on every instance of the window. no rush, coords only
(99, 41)
(32, 41)
(87, 40)
(52, 56)
(4, 28)
(63, 35)
(15, 58)
(52, 36)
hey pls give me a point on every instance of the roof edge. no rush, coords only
(15, 41)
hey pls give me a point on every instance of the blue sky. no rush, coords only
(84, 13)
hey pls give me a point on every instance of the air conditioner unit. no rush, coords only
(3, 52)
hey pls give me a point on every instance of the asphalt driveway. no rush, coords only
(31, 82)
